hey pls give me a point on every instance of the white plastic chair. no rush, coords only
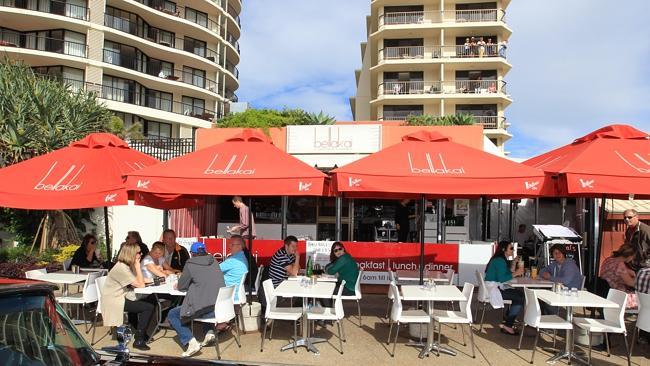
(334, 314)
(87, 296)
(614, 322)
(35, 273)
(533, 318)
(400, 316)
(275, 313)
(357, 294)
(66, 264)
(99, 285)
(483, 297)
(224, 311)
(450, 277)
(391, 279)
(464, 316)
(643, 318)
(241, 291)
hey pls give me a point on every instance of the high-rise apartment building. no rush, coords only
(170, 65)
(435, 57)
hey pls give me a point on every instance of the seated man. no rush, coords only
(175, 254)
(235, 266)
(285, 262)
(562, 270)
(201, 279)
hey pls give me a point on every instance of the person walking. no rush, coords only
(244, 213)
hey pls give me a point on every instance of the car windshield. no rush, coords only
(34, 330)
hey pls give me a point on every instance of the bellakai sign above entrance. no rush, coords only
(247, 164)
(431, 164)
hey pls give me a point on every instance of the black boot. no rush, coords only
(141, 341)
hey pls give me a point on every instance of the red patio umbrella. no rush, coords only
(430, 164)
(89, 173)
(245, 165)
(613, 161)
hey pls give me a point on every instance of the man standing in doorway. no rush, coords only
(402, 221)
(638, 234)
(242, 227)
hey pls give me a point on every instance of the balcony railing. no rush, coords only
(434, 52)
(447, 16)
(172, 8)
(231, 96)
(51, 7)
(32, 42)
(150, 68)
(151, 101)
(163, 148)
(488, 122)
(232, 68)
(233, 13)
(442, 87)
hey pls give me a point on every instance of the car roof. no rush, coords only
(14, 285)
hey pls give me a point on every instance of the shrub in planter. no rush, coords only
(66, 252)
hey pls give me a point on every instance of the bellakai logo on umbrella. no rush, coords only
(636, 159)
(427, 166)
(229, 167)
(60, 179)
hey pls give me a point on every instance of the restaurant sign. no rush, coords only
(332, 139)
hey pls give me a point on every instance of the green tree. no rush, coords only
(270, 118)
(39, 114)
(449, 120)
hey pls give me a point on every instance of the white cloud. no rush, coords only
(301, 53)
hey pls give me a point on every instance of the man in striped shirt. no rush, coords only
(643, 286)
(285, 262)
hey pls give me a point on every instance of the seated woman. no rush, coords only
(498, 270)
(614, 270)
(118, 295)
(154, 263)
(344, 266)
(86, 256)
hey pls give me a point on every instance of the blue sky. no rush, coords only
(577, 65)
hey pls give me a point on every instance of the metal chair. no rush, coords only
(400, 316)
(35, 273)
(357, 294)
(533, 318)
(483, 297)
(614, 322)
(464, 316)
(87, 296)
(224, 311)
(275, 313)
(333, 314)
(643, 318)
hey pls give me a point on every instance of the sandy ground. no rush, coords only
(366, 345)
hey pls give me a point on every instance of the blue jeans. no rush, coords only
(517, 298)
(184, 330)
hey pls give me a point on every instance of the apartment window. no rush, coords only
(121, 20)
(195, 46)
(160, 68)
(410, 14)
(157, 129)
(193, 106)
(120, 90)
(193, 76)
(68, 75)
(196, 16)
(400, 112)
(158, 100)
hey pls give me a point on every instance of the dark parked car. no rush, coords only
(35, 331)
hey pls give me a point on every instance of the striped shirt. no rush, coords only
(643, 281)
(277, 270)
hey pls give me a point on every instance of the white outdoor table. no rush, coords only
(64, 279)
(321, 290)
(320, 278)
(524, 282)
(584, 299)
(411, 276)
(439, 293)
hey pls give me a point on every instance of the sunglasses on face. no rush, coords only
(138, 253)
(92, 242)
(630, 217)
(336, 250)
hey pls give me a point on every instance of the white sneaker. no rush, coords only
(193, 347)
(209, 338)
